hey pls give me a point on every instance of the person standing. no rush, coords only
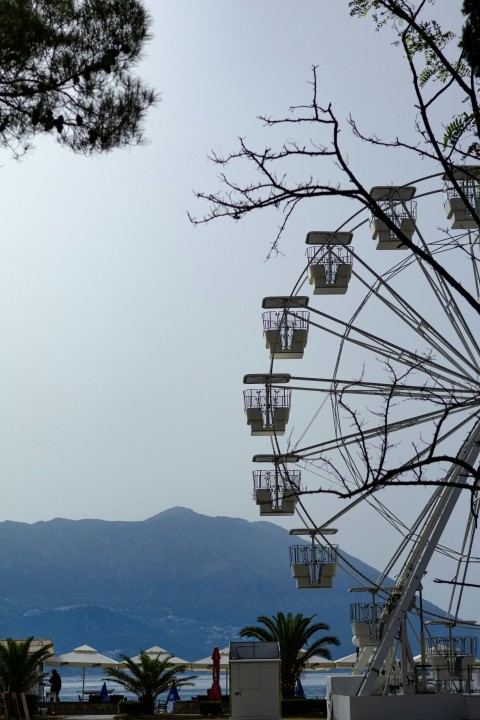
(55, 684)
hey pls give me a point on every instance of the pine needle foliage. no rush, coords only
(66, 70)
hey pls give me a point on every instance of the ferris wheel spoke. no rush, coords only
(463, 562)
(404, 391)
(410, 316)
(365, 434)
(420, 454)
(438, 439)
(391, 351)
(449, 306)
(408, 533)
(474, 248)
(434, 393)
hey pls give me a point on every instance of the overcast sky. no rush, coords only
(126, 331)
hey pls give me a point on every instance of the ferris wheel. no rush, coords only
(398, 407)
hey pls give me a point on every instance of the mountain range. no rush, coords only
(180, 580)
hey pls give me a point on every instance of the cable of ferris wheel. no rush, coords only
(476, 273)
(335, 443)
(390, 517)
(312, 420)
(413, 392)
(369, 385)
(443, 293)
(349, 326)
(311, 524)
(447, 304)
(441, 438)
(346, 564)
(412, 535)
(408, 534)
(469, 535)
(394, 520)
(340, 444)
(389, 350)
(420, 322)
(410, 316)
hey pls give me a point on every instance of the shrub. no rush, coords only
(130, 707)
(316, 707)
(210, 707)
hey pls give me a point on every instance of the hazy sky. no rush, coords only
(126, 331)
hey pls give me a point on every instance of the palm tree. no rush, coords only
(150, 677)
(293, 633)
(20, 665)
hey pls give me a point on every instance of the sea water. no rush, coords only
(72, 684)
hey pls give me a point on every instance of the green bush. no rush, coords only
(210, 707)
(316, 707)
(130, 707)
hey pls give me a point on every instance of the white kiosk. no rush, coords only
(254, 681)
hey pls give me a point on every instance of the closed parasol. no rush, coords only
(299, 691)
(173, 694)
(206, 663)
(215, 691)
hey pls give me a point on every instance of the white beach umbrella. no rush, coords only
(315, 663)
(84, 657)
(159, 653)
(318, 664)
(206, 662)
(346, 662)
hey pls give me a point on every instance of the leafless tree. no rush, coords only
(443, 82)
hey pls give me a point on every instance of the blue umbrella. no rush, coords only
(299, 691)
(173, 694)
(104, 693)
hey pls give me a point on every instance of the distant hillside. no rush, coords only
(180, 580)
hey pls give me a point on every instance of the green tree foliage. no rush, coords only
(149, 678)
(20, 664)
(294, 634)
(66, 70)
(470, 42)
(433, 56)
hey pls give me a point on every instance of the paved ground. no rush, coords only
(169, 715)
(180, 717)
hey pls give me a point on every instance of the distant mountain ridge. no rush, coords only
(180, 580)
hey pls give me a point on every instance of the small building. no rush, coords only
(255, 681)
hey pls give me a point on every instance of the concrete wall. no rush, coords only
(441, 706)
(79, 708)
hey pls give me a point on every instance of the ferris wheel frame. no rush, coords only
(453, 389)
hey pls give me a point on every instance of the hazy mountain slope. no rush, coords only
(181, 580)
